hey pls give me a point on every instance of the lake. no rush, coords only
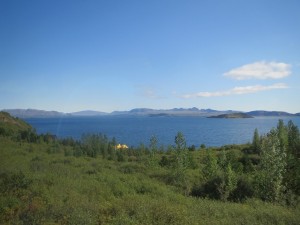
(134, 130)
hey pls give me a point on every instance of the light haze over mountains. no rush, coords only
(31, 113)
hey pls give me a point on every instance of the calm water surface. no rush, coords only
(136, 130)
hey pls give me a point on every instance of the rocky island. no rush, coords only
(232, 116)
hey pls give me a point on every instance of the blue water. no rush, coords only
(136, 130)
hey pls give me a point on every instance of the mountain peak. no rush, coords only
(194, 111)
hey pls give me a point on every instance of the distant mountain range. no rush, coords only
(88, 113)
(171, 112)
(32, 113)
(25, 113)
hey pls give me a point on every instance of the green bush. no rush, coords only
(243, 191)
(13, 182)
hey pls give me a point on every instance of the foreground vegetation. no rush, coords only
(44, 180)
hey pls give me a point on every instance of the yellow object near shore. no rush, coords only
(119, 146)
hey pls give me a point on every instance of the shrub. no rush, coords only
(166, 161)
(13, 182)
(243, 191)
(208, 190)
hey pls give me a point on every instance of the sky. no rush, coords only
(72, 55)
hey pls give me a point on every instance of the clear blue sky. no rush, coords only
(122, 54)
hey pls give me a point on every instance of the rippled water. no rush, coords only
(135, 130)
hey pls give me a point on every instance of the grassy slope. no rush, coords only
(10, 125)
(59, 189)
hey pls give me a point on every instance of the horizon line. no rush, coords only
(156, 109)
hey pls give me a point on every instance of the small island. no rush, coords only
(232, 116)
(158, 114)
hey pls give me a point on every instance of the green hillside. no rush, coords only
(10, 125)
(50, 181)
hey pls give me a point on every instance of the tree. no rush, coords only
(192, 148)
(153, 162)
(269, 180)
(293, 135)
(282, 134)
(103, 146)
(227, 177)
(222, 161)
(228, 183)
(220, 178)
(180, 142)
(292, 176)
(181, 152)
(210, 168)
(111, 150)
(256, 142)
(202, 146)
(181, 161)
